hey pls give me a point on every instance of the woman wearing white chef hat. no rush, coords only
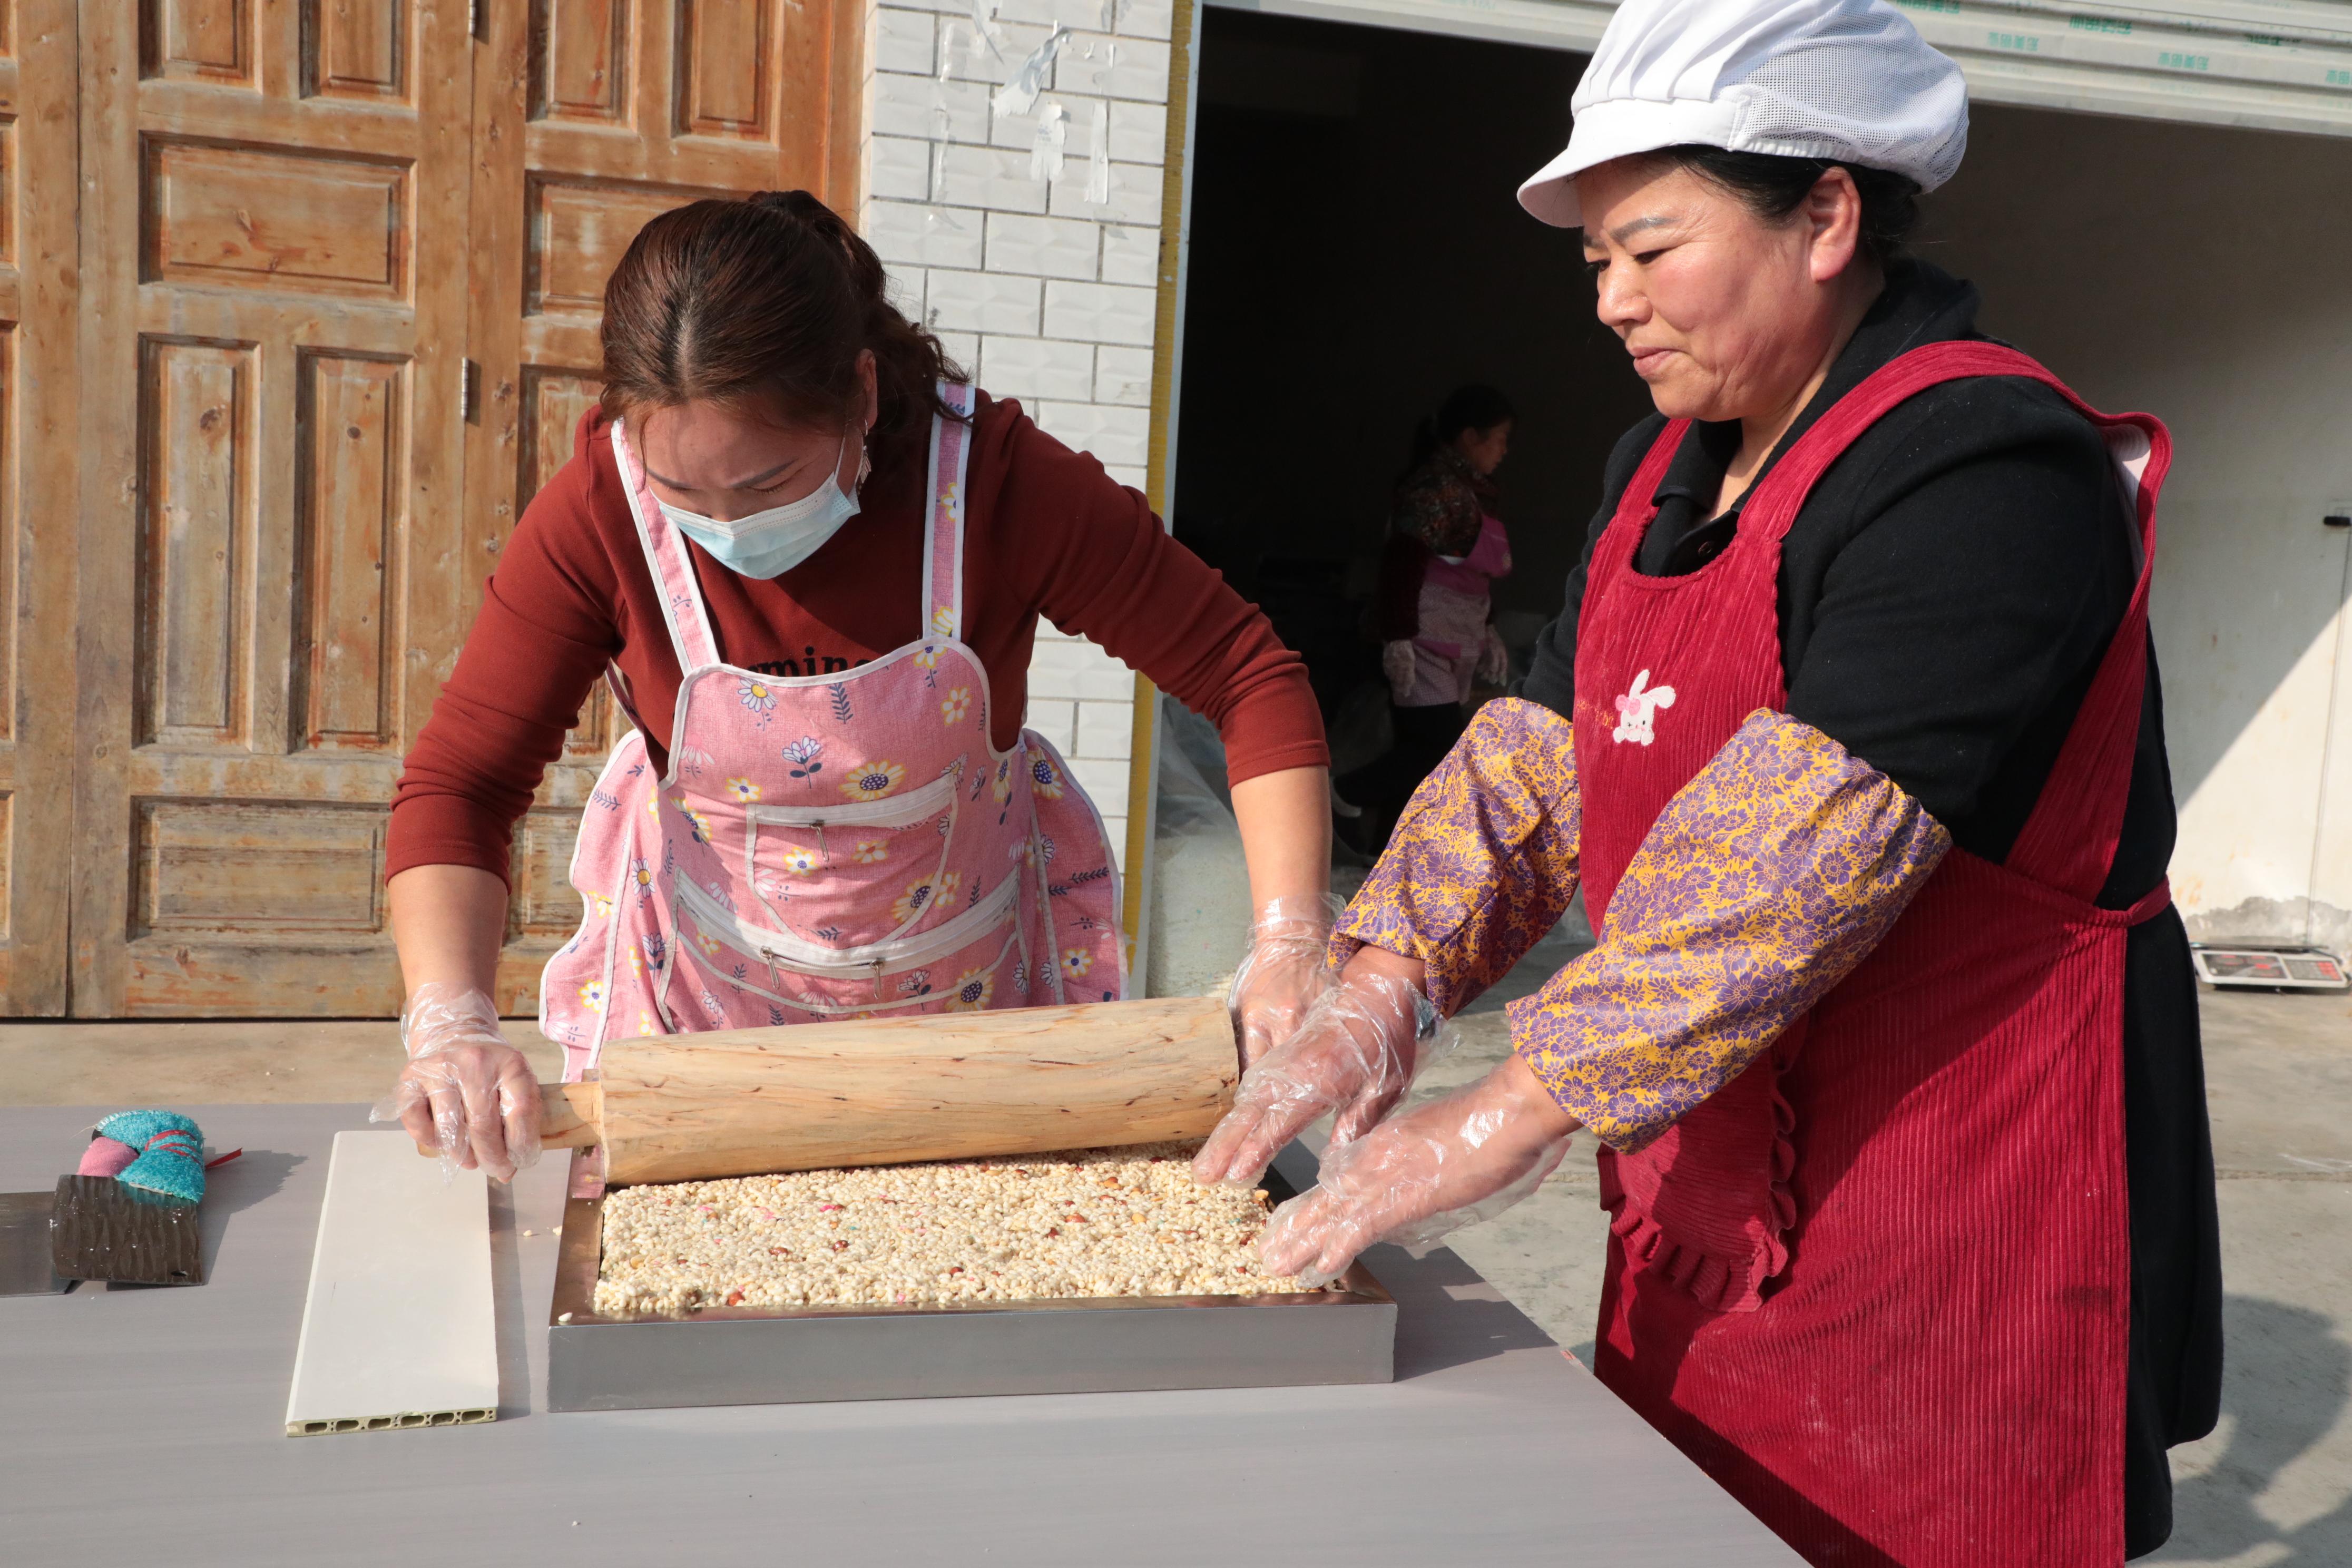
(1851, 734)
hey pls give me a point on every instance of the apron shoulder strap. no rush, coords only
(1614, 554)
(947, 469)
(675, 583)
(1636, 507)
(1782, 493)
(2069, 841)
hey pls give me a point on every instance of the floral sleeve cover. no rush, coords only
(1761, 885)
(1483, 861)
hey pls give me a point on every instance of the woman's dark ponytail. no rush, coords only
(769, 298)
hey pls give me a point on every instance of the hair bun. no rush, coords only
(803, 207)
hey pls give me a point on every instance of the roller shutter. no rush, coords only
(2279, 65)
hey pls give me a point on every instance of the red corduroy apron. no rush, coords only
(1879, 1285)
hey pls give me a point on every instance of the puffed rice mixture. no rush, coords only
(1086, 1223)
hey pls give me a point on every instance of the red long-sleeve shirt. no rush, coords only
(1047, 532)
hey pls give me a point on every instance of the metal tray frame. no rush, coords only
(742, 1355)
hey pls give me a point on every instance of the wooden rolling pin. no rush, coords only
(881, 1091)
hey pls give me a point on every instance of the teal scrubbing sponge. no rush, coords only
(170, 1149)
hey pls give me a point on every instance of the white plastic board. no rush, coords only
(400, 1329)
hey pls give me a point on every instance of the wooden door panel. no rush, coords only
(580, 62)
(8, 201)
(727, 70)
(351, 529)
(553, 403)
(275, 246)
(579, 227)
(9, 546)
(11, 564)
(554, 400)
(197, 488)
(722, 99)
(359, 52)
(282, 221)
(39, 488)
(202, 868)
(544, 904)
(211, 41)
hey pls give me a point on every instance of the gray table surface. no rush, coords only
(144, 1422)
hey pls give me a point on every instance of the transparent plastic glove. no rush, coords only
(1438, 1167)
(1354, 1055)
(1288, 966)
(1397, 663)
(466, 1091)
(1494, 660)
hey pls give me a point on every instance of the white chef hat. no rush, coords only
(1850, 81)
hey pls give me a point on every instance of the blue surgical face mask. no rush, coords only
(771, 542)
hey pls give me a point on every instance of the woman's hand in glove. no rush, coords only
(1438, 1167)
(466, 1092)
(1355, 1052)
(1288, 966)
(1397, 663)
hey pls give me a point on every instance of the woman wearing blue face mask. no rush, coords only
(811, 558)
(773, 540)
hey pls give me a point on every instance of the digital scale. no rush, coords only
(2269, 966)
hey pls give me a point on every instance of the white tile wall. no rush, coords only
(1123, 375)
(1083, 701)
(1099, 313)
(1048, 294)
(1131, 256)
(1055, 246)
(981, 301)
(1119, 436)
(1036, 370)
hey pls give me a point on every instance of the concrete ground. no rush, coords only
(2273, 1485)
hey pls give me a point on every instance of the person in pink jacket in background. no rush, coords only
(1444, 547)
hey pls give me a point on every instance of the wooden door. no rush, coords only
(594, 117)
(38, 483)
(273, 305)
(333, 318)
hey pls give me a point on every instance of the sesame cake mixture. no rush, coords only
(1086, 1223)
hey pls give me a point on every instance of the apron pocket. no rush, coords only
(845, 979)
(873, 868)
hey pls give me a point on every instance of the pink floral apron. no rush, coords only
(830, 846)
(1453, 609)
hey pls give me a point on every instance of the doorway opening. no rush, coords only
(1356, 253)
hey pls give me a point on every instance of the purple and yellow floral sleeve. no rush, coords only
(1483, 861)
(1761, 885)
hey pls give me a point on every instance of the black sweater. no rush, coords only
(1945, 594)
(1947, 591)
